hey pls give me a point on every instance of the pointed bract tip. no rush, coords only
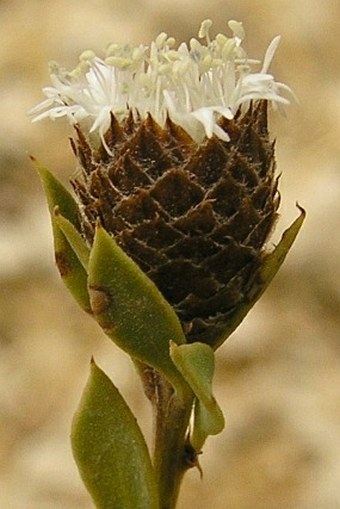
(301, 209)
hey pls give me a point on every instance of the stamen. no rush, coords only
(237, 28)
(204, 30)
(192, 85)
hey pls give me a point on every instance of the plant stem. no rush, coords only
(172, 453)
(171, 417)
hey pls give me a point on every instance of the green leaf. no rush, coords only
(270, 266)
(57, 195)
(74, 238)
(110, 450)
(71, 269)
(196, 363)
(130, 308)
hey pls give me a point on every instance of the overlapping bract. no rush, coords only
(195, 218)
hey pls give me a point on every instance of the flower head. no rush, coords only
(184, 179)
(195, 85)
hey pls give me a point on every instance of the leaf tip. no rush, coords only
(301, 209)
(42, 171)
(172, 346)
(99, 226)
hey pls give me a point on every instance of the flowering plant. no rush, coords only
(165, 244)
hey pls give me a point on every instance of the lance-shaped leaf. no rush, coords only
(70, 268)
(110, 450)
(73, 237)
(130, 308)
(196, 363)
(271, 264)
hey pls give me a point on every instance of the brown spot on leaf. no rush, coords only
(63, 263)
(100, 300)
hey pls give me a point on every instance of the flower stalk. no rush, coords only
(170, 443)
(165, 241)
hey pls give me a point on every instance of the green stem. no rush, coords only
(172, 453)
(171, 413)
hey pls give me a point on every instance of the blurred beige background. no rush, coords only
(278, 377)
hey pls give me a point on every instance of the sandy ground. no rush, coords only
(278, 377)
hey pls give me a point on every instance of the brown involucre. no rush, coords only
(194, 217)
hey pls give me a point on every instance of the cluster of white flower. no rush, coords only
(194, 85)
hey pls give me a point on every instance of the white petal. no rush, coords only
(206, 117)
(195, 85)
(270, 53)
